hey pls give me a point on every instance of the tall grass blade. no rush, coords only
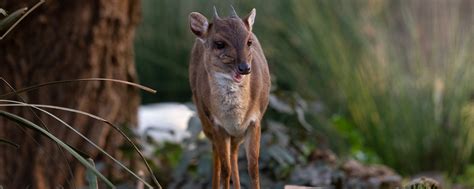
(36, 106)
(76, 80)
(83, 154)
(21, 18)
(9, 143)
(25, 123)
(44, 126)
(5, 22)
(91, 177)
(3, 12)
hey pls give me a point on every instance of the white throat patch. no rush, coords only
(229, 104)
(227, 89)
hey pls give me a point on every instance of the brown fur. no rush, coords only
(230, 113)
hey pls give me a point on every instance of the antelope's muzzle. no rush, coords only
(243, 68)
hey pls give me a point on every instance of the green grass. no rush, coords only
(411, 99)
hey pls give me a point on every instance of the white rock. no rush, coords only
(164, 122)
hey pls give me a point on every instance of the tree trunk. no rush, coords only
(67, 40)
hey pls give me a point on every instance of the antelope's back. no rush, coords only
(260, 76)
(197, 71)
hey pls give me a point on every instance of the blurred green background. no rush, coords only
(387, 82)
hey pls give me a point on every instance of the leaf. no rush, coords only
(91, 177)
(23, 14)
(5, 22)
(9, 143)
(25, 123)
(3, 12)
(83, 154)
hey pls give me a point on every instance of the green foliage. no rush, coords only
(413, 104)
(467, 177)
(354, 139)
(162, 46)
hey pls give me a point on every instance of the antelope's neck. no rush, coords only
(230, 100)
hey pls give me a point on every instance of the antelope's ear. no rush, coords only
(250, 19)
(198, 24)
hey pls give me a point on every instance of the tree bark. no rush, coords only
(67, 40)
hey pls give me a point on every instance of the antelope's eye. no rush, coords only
(219, 44)
(249, 43)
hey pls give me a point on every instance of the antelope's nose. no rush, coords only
(243, 68)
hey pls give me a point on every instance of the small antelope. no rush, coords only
(230, 82)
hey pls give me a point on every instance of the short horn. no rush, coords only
(216, 16)
(233, 13)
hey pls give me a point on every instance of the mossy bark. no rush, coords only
(67, 40)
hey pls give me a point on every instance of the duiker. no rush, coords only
(230, 82)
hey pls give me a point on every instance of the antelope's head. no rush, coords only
(228, 43)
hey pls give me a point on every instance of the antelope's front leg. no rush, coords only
(222, 143)
(216, 166)
(252, 149)
(234, 158)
